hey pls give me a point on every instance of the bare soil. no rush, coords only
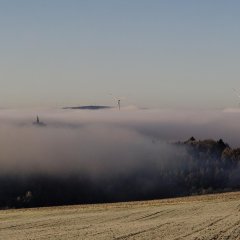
(201, 217)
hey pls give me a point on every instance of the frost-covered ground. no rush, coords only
(202, 217)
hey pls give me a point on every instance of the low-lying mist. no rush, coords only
(84, 156)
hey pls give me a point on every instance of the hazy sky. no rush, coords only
(164, 54)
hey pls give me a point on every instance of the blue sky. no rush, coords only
(159, 54)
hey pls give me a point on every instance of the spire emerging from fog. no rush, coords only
(119, 104)
(39, 123)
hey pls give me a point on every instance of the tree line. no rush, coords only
(210, 166)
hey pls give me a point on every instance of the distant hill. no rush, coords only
(90, 107)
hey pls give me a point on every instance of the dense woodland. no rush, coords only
(211, 166)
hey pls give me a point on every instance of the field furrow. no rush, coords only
(193, 218)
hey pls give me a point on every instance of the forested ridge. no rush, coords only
(209, 166)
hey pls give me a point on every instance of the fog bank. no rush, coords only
(100, 141)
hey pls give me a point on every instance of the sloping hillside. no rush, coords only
(201, 217)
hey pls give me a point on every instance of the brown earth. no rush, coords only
(201, 217)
